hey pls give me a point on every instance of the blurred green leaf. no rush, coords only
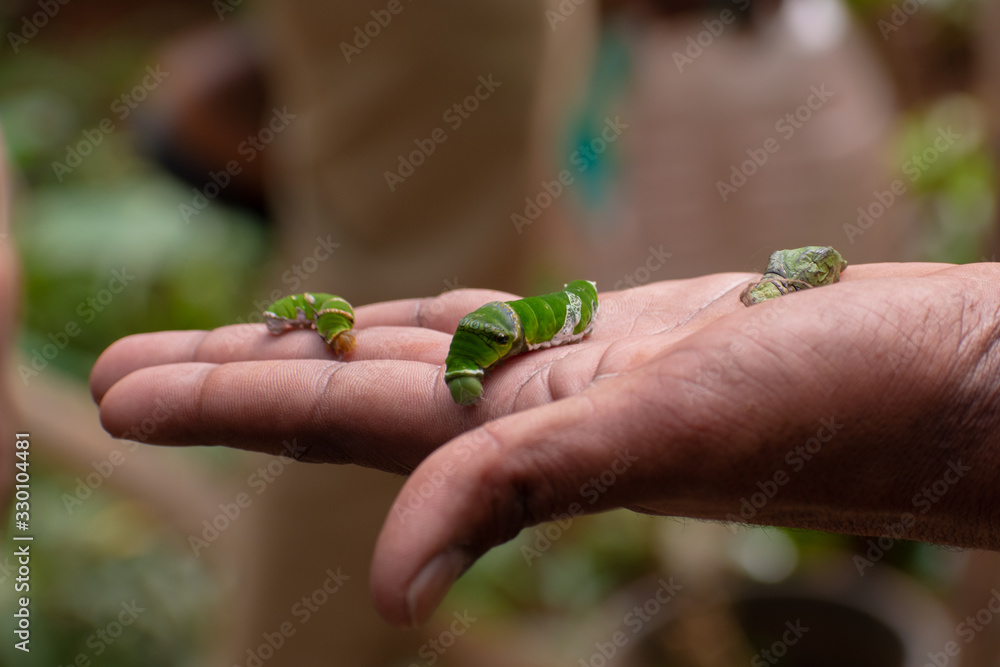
(103, 262)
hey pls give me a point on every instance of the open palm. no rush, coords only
(838, 405)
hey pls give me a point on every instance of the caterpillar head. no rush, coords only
(465, 389)
(484, 337)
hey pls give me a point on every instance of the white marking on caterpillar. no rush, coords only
(468, 372)
(277, 324)
(327, 311)
(518, 341)
(565, 335)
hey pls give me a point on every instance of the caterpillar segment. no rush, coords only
(503, 329)
(331, 316)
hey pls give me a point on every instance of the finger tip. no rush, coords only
(152, 401)
(116, 362)
(432, 584)
(409, 606)
(138, 351)
(389, 598)
(112, 406)
(101, 376)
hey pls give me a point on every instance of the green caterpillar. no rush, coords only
(795, 270)
(502, 329)
(332, 317)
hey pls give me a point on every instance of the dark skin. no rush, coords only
(703, 396)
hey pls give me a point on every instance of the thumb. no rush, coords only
(482, 488)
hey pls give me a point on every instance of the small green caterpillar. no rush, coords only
(330, 315)
(502, 329)
(795, 270)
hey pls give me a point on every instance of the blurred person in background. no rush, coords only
(430, 146)
(504, 145)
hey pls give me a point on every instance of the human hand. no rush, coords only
(863, 395)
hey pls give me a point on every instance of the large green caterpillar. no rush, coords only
(502, 329)
(330, 315)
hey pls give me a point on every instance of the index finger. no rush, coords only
(252, 342)
(311, 410)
